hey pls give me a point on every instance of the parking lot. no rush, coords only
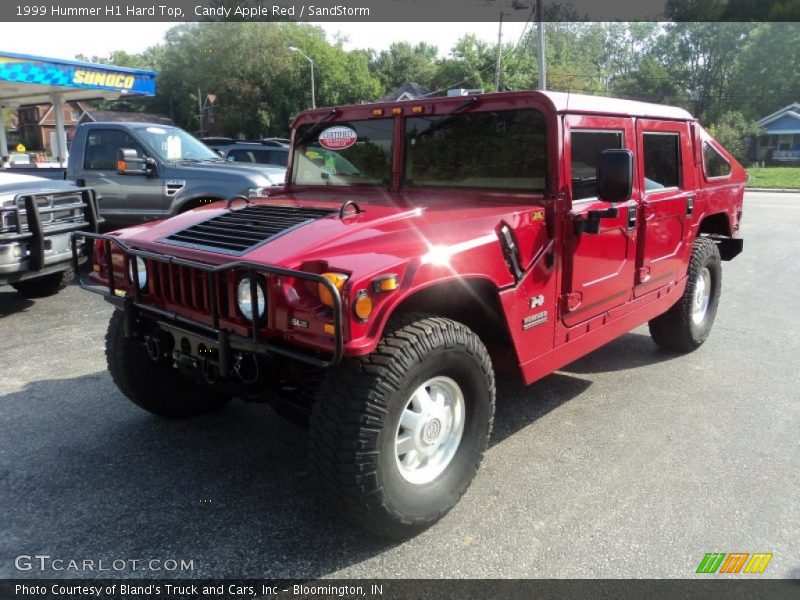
(630, 462)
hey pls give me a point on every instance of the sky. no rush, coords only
(60, 40)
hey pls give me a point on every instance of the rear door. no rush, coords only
(599, 267)
(124, 199)
(666, 177)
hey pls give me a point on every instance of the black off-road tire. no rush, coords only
(354, 424)
(676, 330)
(47, 285)
(157, 387)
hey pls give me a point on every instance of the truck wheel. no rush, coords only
(686, 325)
(157, 387)
(47, 285)
(397, 436)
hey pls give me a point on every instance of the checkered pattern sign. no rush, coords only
(73, 76)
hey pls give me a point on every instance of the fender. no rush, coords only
(212, 194)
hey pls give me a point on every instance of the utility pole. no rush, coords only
(200, 110)
(540, 19)
(499, 54)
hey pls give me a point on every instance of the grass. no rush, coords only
(774, 177)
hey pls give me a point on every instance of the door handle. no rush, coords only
(689, 206)
(631, 217)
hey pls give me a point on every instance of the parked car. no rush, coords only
(37, 216)
(256, 153)
(376, 297)
(146, 172)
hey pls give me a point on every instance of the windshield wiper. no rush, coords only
(468, 103)
(316, 127)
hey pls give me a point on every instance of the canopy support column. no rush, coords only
(3, 140)
(61, 135)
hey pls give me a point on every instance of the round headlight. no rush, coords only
(142, 271)
(244, 299)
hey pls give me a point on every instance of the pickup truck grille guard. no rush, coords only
(224, 340)
(34, 230)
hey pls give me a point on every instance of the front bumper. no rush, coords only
(36, 248)
(221, 340)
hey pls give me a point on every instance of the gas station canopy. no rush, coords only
(26, 79)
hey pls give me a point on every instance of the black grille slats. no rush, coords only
(240, 231)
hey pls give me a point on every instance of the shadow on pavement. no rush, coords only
(86, 474)
(12, 302)
(629, 351)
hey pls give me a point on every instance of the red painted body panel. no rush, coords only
(578, 291)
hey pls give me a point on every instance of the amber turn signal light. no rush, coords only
(397, 110)
(329, 328)
(378, 112)
(338, 280)
(417, 110)
(385, 283)
(362, 306)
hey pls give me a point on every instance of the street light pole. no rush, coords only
(541, 48)
(311, 62)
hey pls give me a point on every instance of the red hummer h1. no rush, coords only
(418, 248)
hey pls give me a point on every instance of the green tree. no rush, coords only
(260, 85)
(403, 62)
(735, 133)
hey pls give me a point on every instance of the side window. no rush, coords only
(714, 163)
(276, 157)
(102, 146)
(585, 147)
(261, 156)
(240, 156)
(662, 161)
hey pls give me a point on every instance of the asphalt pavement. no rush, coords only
(631, 462)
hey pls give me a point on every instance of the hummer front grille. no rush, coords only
(239, 231)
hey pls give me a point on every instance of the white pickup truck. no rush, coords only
(36, 218)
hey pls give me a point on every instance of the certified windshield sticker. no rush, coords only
(338, 138)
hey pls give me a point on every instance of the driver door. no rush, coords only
(123, 199)
(599, 267)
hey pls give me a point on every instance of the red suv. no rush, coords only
(419, 248)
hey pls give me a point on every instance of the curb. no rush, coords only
(778, 190)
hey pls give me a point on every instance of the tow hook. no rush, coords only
(246, 367)
(154, 344)
(208, 368)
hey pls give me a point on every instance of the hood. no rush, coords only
(12, 184)
(260, 175)
(390, 229)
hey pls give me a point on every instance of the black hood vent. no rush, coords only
(239, 231)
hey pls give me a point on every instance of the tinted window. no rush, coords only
(661, 160)
(363, 155)
(498, 149)
(278, 157)
(714, 163)
(102, 146)
(585, 147)
(241, 156)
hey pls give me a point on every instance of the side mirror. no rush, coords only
(615, 175)
(129, 163)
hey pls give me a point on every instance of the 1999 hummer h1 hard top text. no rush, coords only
(419, 247)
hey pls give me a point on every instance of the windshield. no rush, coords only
(345, 153)
(491, 149)
(171, 143)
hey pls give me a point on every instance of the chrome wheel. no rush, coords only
(430, 430)
(702, 294)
